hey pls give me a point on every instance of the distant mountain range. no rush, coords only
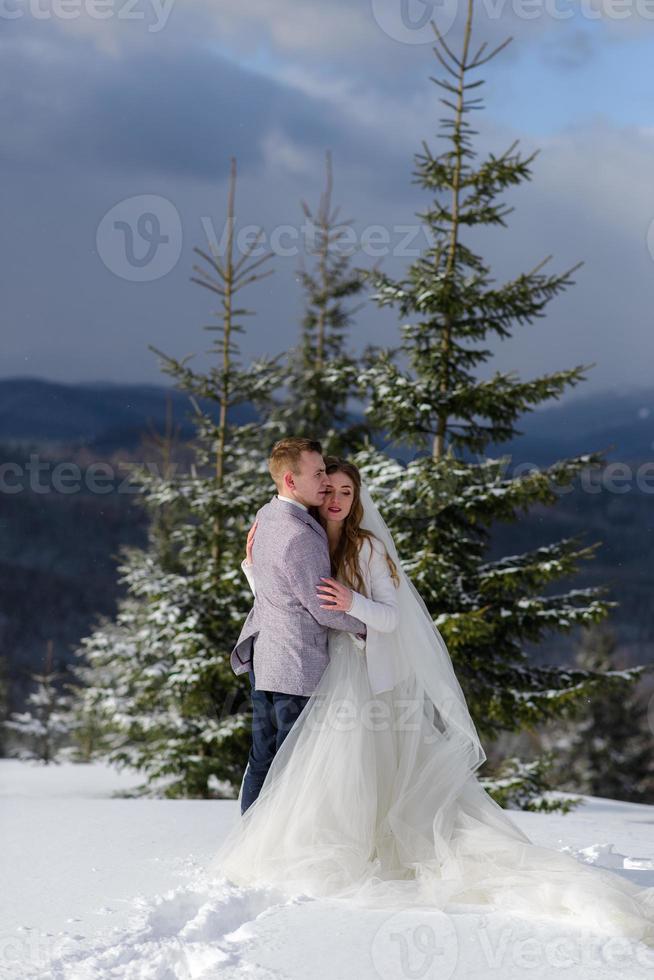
(59, 552)
(105, 416)
(102, 416)
(622, 423)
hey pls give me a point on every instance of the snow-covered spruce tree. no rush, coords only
(166, 450)
(4, 698)
(102, 679)
(441, 506)
(100, 684)
(606, 748)
(44, 727)
(320, 374)
(178, 712)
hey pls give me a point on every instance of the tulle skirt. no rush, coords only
(365, 801)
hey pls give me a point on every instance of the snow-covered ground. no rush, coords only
(95, 886)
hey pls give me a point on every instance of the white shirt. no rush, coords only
(289, 500)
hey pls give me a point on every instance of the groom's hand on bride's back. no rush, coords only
(248, 544)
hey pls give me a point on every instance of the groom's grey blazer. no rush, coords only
(286, 626)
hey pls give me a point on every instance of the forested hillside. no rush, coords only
(60, 535)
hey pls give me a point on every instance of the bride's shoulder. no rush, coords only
(369, 546)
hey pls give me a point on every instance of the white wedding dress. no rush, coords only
(372, 797)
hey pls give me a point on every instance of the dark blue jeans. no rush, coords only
(273, 716)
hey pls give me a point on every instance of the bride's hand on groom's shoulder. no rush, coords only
(334, 595)
(249, 543)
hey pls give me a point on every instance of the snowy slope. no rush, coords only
(101, 887)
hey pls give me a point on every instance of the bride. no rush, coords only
(372, 797)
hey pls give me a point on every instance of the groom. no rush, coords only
(283, 643)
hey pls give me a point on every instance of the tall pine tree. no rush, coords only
(44, 727)
(4, 702)
(441, 506)
(321, 375)
(160, 675)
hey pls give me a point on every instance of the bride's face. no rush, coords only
(338, 498)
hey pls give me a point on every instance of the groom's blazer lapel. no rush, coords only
(300, 514)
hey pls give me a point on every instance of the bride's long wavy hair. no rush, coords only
(345, 559)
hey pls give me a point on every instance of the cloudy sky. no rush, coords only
(119, 119)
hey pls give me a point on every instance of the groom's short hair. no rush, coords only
(285, 455)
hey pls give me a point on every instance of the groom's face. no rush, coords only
(308, 485)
